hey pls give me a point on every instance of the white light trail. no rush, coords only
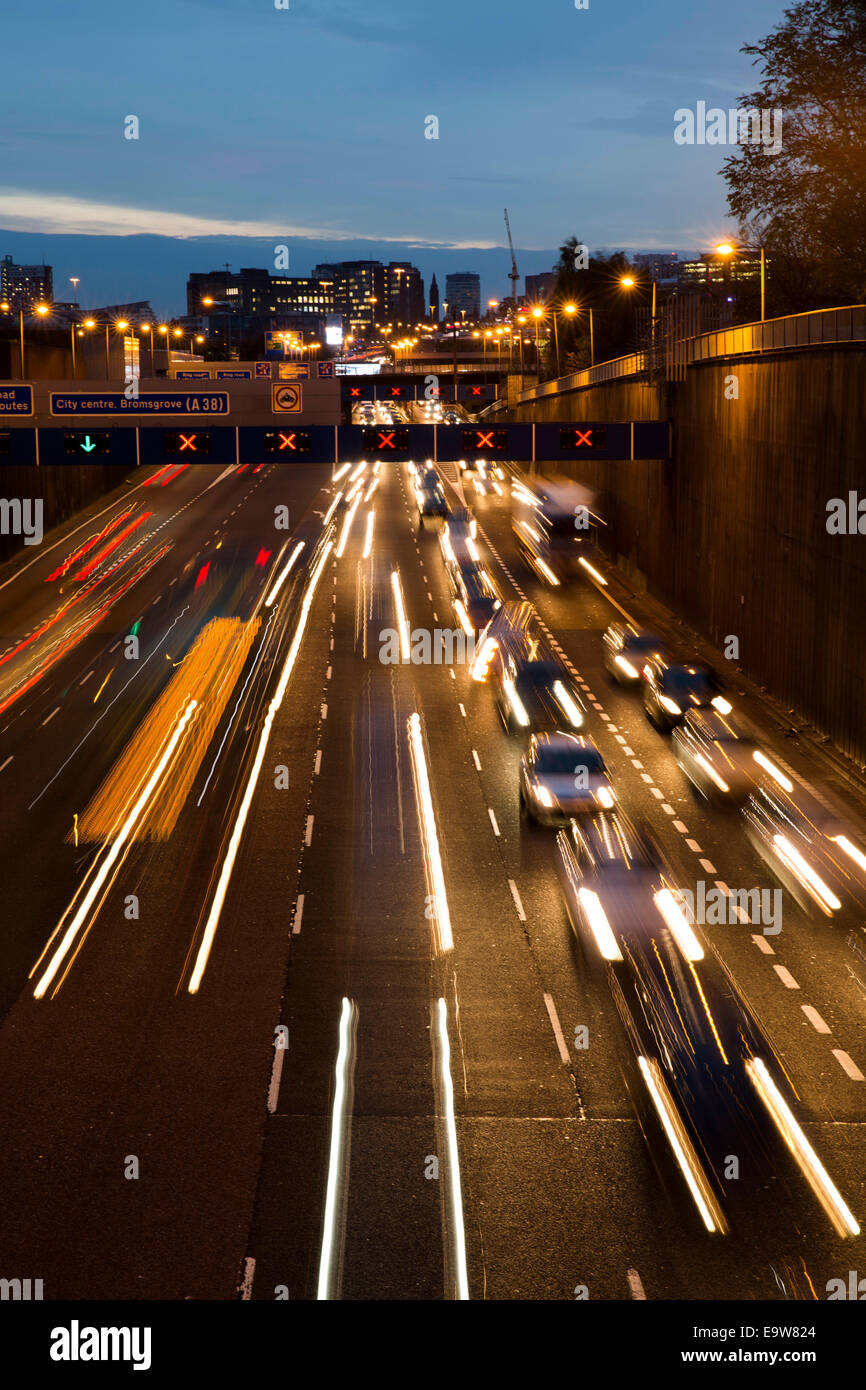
(429, 837)
(244, 810)
(599, 578)
(339, 1127)
(454, 1187)
(111, 858)
(368, 538)
(287, 567)
(402, 621)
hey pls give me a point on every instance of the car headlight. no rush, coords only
(627, 667)
(670, 705)
(605, 797)
(543, 796)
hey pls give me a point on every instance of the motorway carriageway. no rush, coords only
(430, 1129)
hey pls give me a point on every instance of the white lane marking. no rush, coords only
(317, 766)
(430, 596)
(7, 762)
(707, 867)
(628, 751)
(476, 760)
(276, 1074)
(815, 1019)
(493, 820)
(517, 903)
(695, 848)
(668, 810)
(657, 793)
(249, 1266)
(87, 677)
(462, 710)
(763, 945)
(845, 1062)
(298, 917)
(611, 728)
(635, 1285)
(50, 716)
(557, 1029)
(332, 644)
(451, 673)
(786, 977)
(328, 674)
(324, 712)
(114, 648)
(308, 837)
(645, 777)
(635, 763)
(681, 827)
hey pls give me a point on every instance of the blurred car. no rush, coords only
(808, 848)
(627, 650)
(537, 697)
(475, 599)
(563, 775)
(670, 690)
(717, 755)
(430, 496)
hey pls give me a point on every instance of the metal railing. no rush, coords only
(810, 329)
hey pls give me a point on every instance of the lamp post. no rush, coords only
(538, 315)
(6, 308)
(145, 328)
(726, 249)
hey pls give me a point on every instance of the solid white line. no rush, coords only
(847, 1065)
(555, 1025)
(635, 1285)
(276, 1073)
(7, 762)
(786, 977)
(815, 1019)
(308, 837)
(517, 903)
(317, 766)
(493, 820)
(49, 716)
(249, 1262)
(299, 912)
(475, 759)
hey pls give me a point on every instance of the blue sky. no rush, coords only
(309, 122)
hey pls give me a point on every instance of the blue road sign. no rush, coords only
(16, 400)
(325, 370)
(243, 374)
(192, 376)
(263, 369)
(147, 403)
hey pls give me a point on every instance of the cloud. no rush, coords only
(22, 211)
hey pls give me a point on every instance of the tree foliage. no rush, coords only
(807, 204)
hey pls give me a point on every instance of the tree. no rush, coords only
(807, 203)
(596, 286)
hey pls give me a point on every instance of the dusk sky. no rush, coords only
(287, 125)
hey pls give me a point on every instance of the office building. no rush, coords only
(25, 286)
(463, 295)
(434, 302)
(540, 288)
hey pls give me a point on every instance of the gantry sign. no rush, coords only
(128, 445)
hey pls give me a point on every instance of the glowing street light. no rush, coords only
(726, 249)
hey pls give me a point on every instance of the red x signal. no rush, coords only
(187, 441)
(583, 437)
(484, 441)
(354, 390)
(476, 390)
(287, 441)
(386, 440)
(395, 390)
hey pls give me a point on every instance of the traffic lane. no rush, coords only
(505, 1253)
(362, 936)
(135, 1065)
(697, 837)
(59, 768)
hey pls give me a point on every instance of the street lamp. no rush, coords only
(726, 249)
(538, 315)
(145, 328)
(6, 308)
(628, 282)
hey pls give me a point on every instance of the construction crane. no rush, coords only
(512, 274)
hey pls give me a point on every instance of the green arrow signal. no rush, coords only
(87, 446)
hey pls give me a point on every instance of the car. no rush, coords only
(468, 465)
(430, 496)
(807, 846)
(537, 697)
(563, 775)
(626, 651)
(670, 689)
(716, 753)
